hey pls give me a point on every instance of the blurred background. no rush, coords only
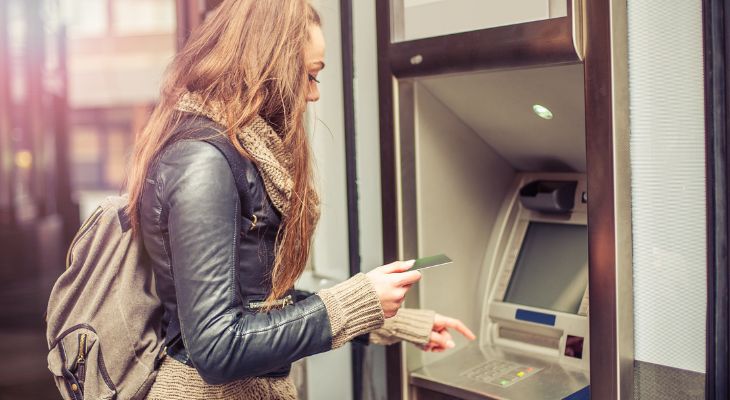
(78, 78)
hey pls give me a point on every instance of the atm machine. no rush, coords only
(485, 146)
(533, 341)
(500, 189)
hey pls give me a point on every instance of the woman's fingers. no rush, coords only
(441, 340)
(391, 283)
(406, 278)
(441, 322)
(400, 294)
(461, 328)
(447, 336)
(397, 266)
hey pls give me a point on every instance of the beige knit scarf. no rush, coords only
(263, 144)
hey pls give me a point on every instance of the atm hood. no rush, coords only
(498, 106)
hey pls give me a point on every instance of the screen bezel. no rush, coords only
(514, 253)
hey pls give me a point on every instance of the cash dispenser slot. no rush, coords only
(549, 196)
(551, 341)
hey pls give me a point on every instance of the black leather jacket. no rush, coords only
(210, 271)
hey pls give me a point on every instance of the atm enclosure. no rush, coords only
(502, 192)
(459, 142)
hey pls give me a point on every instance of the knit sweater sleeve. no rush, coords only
(411, 325)
(353, 308)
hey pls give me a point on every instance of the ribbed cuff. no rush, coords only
(353, 308)
(412, 325)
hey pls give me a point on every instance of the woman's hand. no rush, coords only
(391, 283)
(441, 339)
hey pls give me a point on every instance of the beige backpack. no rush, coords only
(104, 333)
(103, 314)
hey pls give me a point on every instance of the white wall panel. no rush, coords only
(327, 132)
(367, 136)
(367, 133)
(329, 375)
(461, 182)
(428, 18)
(668, 181)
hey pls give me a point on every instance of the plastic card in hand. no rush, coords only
(429, 262)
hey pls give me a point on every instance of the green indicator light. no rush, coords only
(542, 111)
(504, 382)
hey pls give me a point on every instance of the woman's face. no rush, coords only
(314, 59)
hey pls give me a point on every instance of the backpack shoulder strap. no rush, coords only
(236, 162)
(209, 134)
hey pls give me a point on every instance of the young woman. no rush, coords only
(231, 323)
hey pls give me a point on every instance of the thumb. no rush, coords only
(398, 266)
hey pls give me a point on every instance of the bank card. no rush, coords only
(431, 261)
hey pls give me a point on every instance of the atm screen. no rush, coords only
(551, 271)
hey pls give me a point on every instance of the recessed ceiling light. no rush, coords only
(542, 111)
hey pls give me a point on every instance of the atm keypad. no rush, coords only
(500, 373)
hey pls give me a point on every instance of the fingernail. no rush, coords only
(451, 344)
(410, 263)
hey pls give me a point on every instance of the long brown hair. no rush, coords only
(247, 56)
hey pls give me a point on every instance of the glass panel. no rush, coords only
(417, 19)
(667, 147)
(552, 269)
